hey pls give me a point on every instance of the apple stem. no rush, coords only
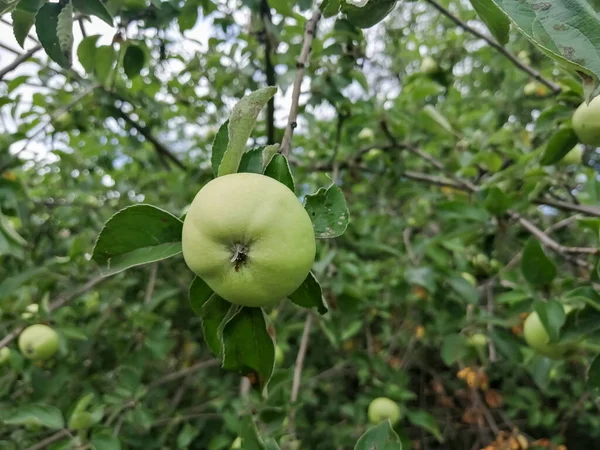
(240, 253)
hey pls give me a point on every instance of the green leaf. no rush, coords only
(93, 8)
(370, 14)
(248, 347)
(496, 201)
(427, 422)
(507, 344)
(559, 144)
(379, 437)
(249, 434)
(46, 25)
(105, 60)
(454, 347)
(269, 153)
(7, 6)
(494, 18)
(36, 414)
(199, 294)
(552, 315)
(188, 16)
(134, 60)
(535, 265)
(137, 235)
(10, 241)
(566, 31)
(593, 374)
(283, 7)
(10, 284)
(23, 18)
(309, 295)
(328, 211)
(279, 169)
(187, 434)
(252, 161)
(219, 147)
(241, 123)
(64, 29)
(539, 368)
(214, 313)
(105, 441)
(439, 119)
(464, 289)
(330, 8)
(86, 52)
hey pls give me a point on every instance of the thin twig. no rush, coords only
(10, 49)
(184, 372)
(61, 434)
(19, 60)
(566, 206)
(151, 283)
(244, 386)
(555, 88)
(309, 34)
(298, 369)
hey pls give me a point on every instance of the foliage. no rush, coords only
(445, 205)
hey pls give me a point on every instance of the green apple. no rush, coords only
(237, 443)
(477, 340)
(429, 66)
(279, 356)
(524, 57)
(249, 238)
(469, 278)
(366, 134)
(30, 311)
(383, 408)
(586, 123)
(38, 342)
(538, 339)
(4, 355)
(574, 156)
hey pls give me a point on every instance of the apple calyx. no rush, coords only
(239, 255)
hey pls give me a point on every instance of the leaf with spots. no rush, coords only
(328, 211)
(249, 349)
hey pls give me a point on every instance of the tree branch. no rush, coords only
(184, 372)
(298, 369)
(309, 34)
(151, 283)
(555, 88)
(19, 60)
(50, 439)
(565, 206)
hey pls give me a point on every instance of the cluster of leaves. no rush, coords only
(445, 175)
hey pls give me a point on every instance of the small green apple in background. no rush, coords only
(477, 340)
(30, 311)
(535, 89)
(586, 122)
(383, 408)
(429, 66)
(366, 134)
(575, 156)
(523, 56)
(249, 238)
(4, 355)
(38, 342)
(237, 443)
(538, 339)
(279, 356)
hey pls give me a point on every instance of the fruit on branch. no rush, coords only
(538, 338)
(575, 156)
(383, 408)
(535, 89)
(586, 123)
(30, 311)
(477, 340)
(4, 355)
(429, 66)
(249, 238)
(366, 134)
(38, 342)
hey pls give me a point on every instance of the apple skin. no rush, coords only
(4, 355)
(586, 123)
(429, 66)
(249, 238)
(538, 339)
(237, 443)
(383, 408)
(575, 156)
(279, 356)
(477, 340)
(38, 342)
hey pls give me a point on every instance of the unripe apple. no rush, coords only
(237, 443)
(538, 339)
(477, 340)
(366, 134)
(469, 278)
(279, 356)
(249, 238)
(383, 408)
(38, 342)
(429, 66)
(524, 57)
(574, 156)
(4, 355)
(535, 89)
(30, 311)
(586, 122)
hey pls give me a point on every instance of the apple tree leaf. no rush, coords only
(36, 414)
(93, 8)
(559, 145)
(552, 315)
(309, 295)
(249, 434)
(373, 12)
(328, 211)
(105, 441)
(86, 52)
(252, 161)
(381, 437)
(133, 60)
(330, 8)
(496, 201)
(199, 294)
(535, 265)
(454, 347)
(7, 6)
(137, 235)
(494, 18)
(215, 313)
(241, 123)
(427, 422)
(23, 17)
(47, 28)
(219, 146)
(593, 374)
(279, 169)
(248, 347)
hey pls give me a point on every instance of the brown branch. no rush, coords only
(566, 206)
(555, 88)
(184, 372)
(309, 34)
(8, 48)
(144, 131)
(151, 283)
(19, 60)
(50, 439)
(298, 369)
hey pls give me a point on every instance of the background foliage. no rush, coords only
(465, 217)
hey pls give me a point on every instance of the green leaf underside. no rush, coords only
(328, 211)
(309, 295)
(279, 169)
(241, 123)
(379, 437)
(248, 348)
(137, 235)
(86, 52)
(535, 265)
(214, 313)
(199, 294)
